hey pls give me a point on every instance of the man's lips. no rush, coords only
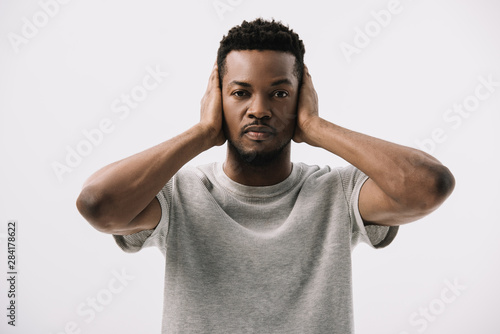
(258, 132)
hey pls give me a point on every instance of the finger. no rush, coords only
(214, 77)
(306, 77)
(306, 70)
(212, 80)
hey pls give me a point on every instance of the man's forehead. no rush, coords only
(242, 65)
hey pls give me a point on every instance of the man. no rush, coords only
(259, 244)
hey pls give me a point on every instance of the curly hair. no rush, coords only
(262, 35)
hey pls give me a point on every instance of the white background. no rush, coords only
(63, 79)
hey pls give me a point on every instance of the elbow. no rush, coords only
(444, 183)
(440, 186)
(433, 189)
(92, 206)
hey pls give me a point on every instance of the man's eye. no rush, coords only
(239, 93)
(281, 93)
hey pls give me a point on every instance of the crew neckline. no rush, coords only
(256, 191)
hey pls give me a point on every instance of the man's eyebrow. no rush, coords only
(275, 83)
(239, 83)
(282, 81)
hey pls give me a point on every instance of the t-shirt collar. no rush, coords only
(256, 191)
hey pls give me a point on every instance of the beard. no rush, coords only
(257, 159)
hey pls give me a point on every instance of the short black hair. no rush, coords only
(262, 35)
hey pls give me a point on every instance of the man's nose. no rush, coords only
(259, 107)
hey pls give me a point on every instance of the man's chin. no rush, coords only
(258, 158)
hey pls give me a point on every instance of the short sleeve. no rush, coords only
(376, 236)
(156, 237)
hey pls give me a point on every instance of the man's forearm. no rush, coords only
(118, 192)
(406, 175)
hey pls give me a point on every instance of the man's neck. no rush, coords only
(247, 174)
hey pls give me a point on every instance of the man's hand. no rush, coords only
(404, 184)
(307, 110)
(121, 197)
(211, 110)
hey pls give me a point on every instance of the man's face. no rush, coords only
(259, 99)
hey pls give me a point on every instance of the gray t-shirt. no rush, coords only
(273, 259)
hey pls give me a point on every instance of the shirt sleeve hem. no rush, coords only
(377, 236)
(133, 243)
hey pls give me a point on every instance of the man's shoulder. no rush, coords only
(196, 173)
(212, 175)
(346, 176)
(197, 170)
(325, 170)
(213, 169)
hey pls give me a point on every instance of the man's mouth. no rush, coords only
(258, 132)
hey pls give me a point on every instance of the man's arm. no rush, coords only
(404, 184)
(121, 197)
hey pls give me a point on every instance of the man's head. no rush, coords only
(260, 65)
(262, 35)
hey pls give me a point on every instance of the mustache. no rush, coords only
(258, 123)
